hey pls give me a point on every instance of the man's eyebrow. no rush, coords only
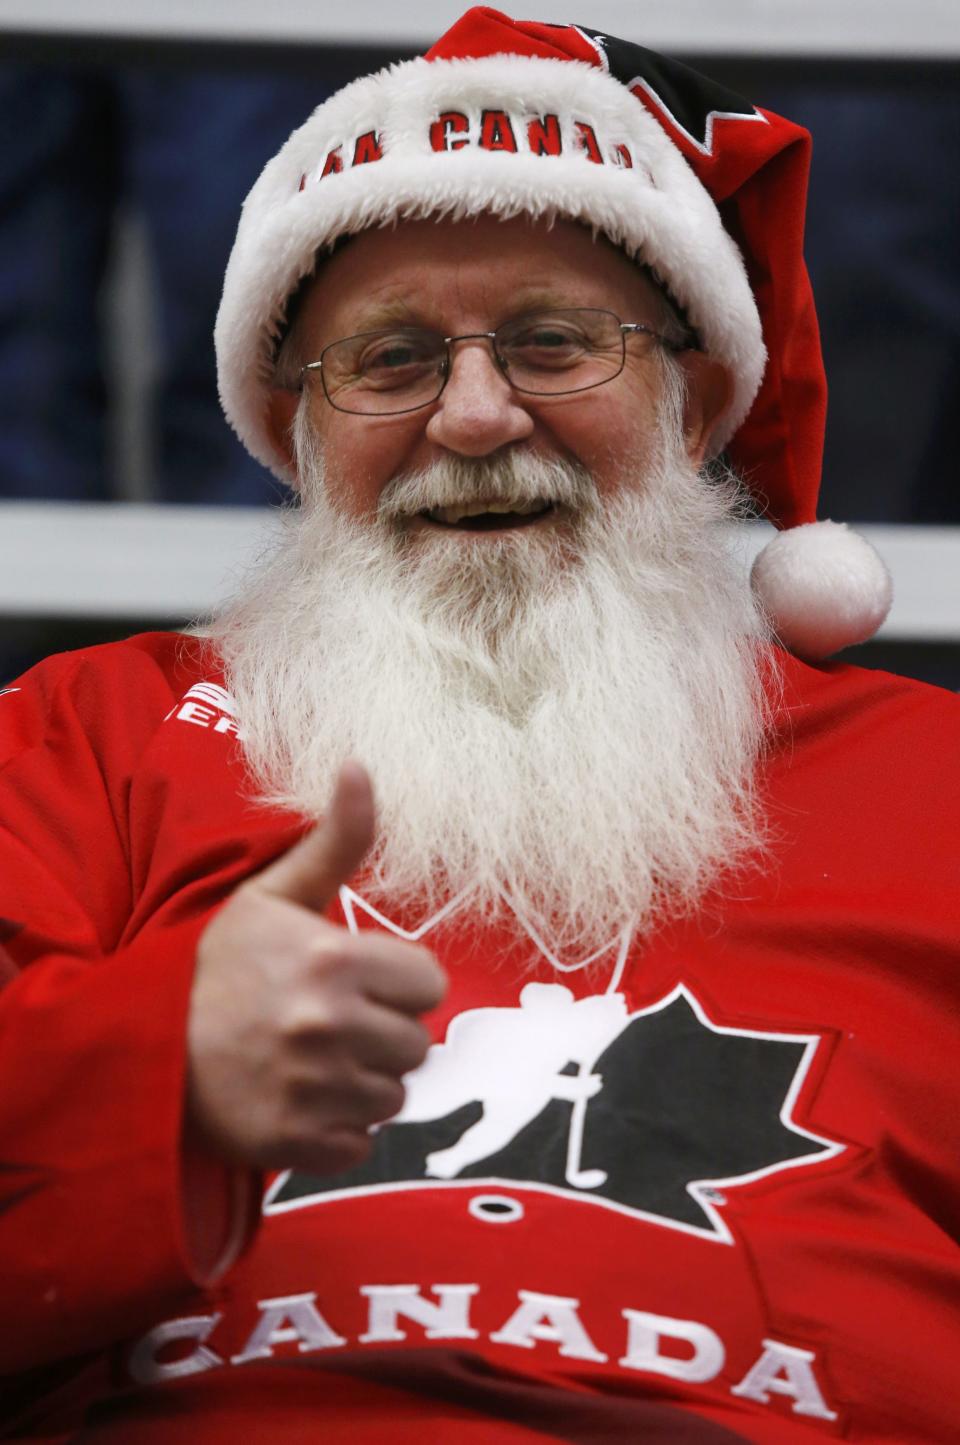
(403, 311)
(397, 312)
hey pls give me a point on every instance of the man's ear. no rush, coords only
(282, 406)
(709, 394)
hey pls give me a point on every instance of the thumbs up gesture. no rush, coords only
(300, 1033)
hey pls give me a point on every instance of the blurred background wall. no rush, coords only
(128, 138)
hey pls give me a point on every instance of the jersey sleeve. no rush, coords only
(92, 1174)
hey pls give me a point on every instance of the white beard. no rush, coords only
(573, 723)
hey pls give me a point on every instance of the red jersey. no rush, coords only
(702, 1188)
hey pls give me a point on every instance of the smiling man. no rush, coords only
(463, 598)
(482, 986)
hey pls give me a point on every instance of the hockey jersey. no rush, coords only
(698, 1187)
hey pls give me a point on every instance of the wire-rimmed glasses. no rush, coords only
(545, 353)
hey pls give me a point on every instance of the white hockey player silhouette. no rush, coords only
(511, 1060)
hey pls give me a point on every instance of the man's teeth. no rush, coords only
(450, 516)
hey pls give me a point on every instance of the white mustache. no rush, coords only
(517, 477)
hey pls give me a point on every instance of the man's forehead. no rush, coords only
(420, 271)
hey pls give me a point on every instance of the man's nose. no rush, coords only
(478, 411)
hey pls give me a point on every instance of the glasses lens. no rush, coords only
(552, 352)
(384, 371)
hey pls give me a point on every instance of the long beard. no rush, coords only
(569, 720)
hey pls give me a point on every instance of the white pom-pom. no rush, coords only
(823, 588)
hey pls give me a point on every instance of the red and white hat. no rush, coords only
(513, 118)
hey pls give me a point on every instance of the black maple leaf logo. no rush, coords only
(652, 1113)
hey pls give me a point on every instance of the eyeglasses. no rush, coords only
(546, 353)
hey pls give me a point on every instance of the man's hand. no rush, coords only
(300, 1033)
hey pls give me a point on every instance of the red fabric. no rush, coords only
(482, 30)
(757, 176)
(779, 449)
(125, 824)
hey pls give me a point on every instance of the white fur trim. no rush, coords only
(823, 588)
(657, 210)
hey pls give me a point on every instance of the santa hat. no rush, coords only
(514, 118)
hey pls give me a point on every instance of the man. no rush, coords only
(596, 1056)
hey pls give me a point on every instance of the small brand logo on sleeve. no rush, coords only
(207, 705)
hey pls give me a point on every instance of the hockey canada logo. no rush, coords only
(652, 1113)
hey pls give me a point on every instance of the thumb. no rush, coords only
(313, 869)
